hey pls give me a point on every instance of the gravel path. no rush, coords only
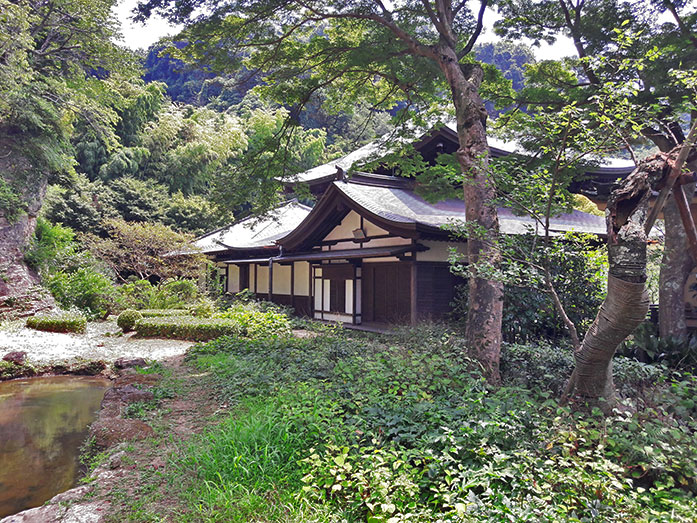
(96, 343)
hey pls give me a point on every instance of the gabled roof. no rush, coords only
(606, 173)
(401, 211)
(255, 233)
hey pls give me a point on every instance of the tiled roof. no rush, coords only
(616, 166)
(404, 206)
(253, 233)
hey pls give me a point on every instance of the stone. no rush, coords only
(43, 514)
(126, 394)
(110, 431)
(18, 357)
(125, 363)
(137, 379)
(88, 368)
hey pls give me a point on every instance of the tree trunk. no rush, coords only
(627, 301)
(675, 269)
(485, 304)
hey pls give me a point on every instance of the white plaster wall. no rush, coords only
(345, 229)
(302, 279)
(439, 251)
(251, 277)
(371, 229)
(281, 279)
(348, 304)
(345, 318)
(351, 222)
(318, 294)
(263, 275)
(233, 278)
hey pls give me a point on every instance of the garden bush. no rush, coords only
(239, 320)
(86, 289)
(258, 319)
(168, 294)
(187, 328)
(127, 319)
(159, 313)
(71, 322)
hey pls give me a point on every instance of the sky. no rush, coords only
(138, 36)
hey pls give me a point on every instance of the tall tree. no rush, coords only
(601, 31)
(416, 50)
(54, 55)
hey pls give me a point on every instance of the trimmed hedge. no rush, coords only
(188, 328)
(159, 313)
(127, 319)
(58, 323)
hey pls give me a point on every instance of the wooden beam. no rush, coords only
(687, 220)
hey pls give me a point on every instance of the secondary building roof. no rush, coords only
(255, 233)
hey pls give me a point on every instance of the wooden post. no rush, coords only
(414, 278)
(270, 279)
(292, 284)
(256, 279)
(355, 275)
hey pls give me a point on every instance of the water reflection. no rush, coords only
(43, 422)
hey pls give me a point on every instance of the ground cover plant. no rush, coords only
(68, 322)
(406, 429)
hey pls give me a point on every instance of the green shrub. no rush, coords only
(158, 313)
(58, 323)
(49, 240)
(169, 294)
(86, 289)
(257, 322)
(204, 307)
(127, 319)
(187, 328)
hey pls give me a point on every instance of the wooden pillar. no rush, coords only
(322, 294)
(413, 292)
(270, 279)
(355, 276)
(256, 278)
(292, 284)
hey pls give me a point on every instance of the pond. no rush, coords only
(43, 423)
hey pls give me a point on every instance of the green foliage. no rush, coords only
(204, 307)
(578, 267)
(49, 241)
(405, 428)
(169, 294)
(675, 352)
(69, 322)
(187, 328)
(239, 320)
(127, 319)
(145, 250)
(260, 320)
(11, 204)
(158, 313)
(86, 289)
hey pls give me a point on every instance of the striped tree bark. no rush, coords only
(627, 300)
